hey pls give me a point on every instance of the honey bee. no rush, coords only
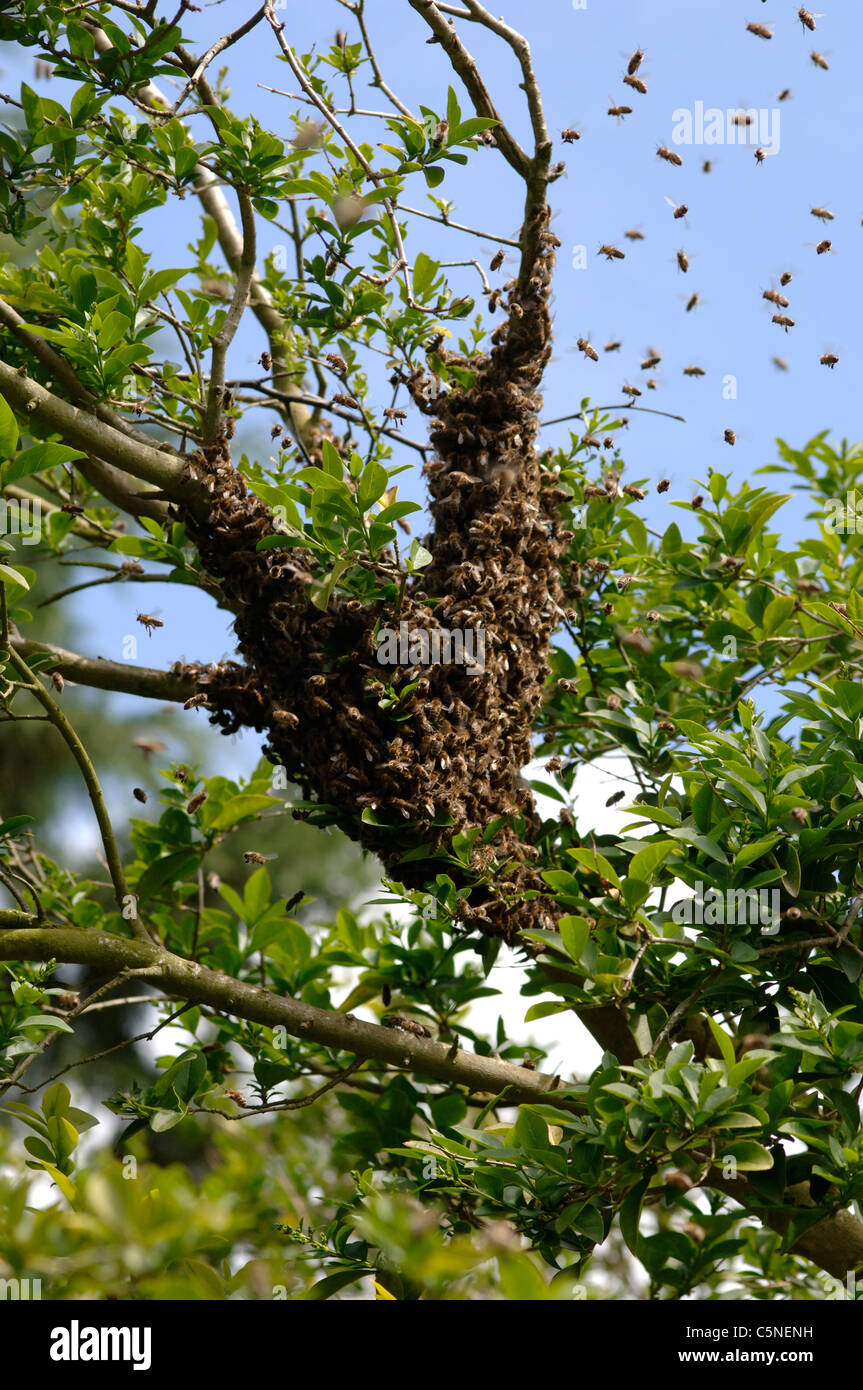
(554, 764)
(608, 442)
(337, 362)
(149, 745)
(139, 794)
(663, 485)
(591, 442)
(828, 359)
(195, 802)
(741, 118)
(784, 94)
(651, 383)
(251, 856)
(823, 246)
(680, 211)
(493, 301)
(670, 156)
(759, 155)
(781, 363)
(194, 701)
(611, 253)
(341, 399)
(614, 798)
(652, 359)
(286, 717)
(634, 234)
(761, 30)
(265, 361)
(619, 111)
(568, 136)
(693, 371)
(58, 682)
(707, 166)
(631, 391)
(696, 504)
(635, 62)
(636, 493)
(405, 1025)
(683, 261)
(776, 298)
(584, 346)
(636, 82)
(823, 214)
(783, 320)
(497, 259)
(730, 437)
(820, 61)
(691, 302)
(149, 622)
(806, 19)
(612, 346)
(786, 277)
(441, 131)
(397, 416)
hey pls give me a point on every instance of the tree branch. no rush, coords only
(150, 684)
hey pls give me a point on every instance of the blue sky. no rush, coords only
(746, 224)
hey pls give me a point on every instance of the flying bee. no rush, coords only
(820, 61)
(584, 346)
(637, 83)
(761, 30)
(783, 320)
(493, 301)
(786, 277)
(781, 363)
(741, 117)
(635, 62)
(784, 94)
(652, 359)
(397, 416)
(670, 156)
(619, 111)
(611, 253)
(760, 155)
(348, 401)
(139, 794)
(730, 437)
(631, 391)
(149, 622)
(807, 19)
(692, 301)
(707, 166)
(823, 214)
(636, 493)
(569, 135)
(663, 485)
(591, 442)
(823, 246)
(775, 298)
(337, 362)
(828, 359)
(651, 383)
(614, 798)
(497, 259)
(693, 371)
(612, 346)
(251, 856)
(196, 802)
(149, 745)
(683, 261)
(634, 234)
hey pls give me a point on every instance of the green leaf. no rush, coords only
(8, 430)
(33, 460)
(574, 933)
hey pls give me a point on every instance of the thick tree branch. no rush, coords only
(150, 684)
(81, 429)
(225, 336)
